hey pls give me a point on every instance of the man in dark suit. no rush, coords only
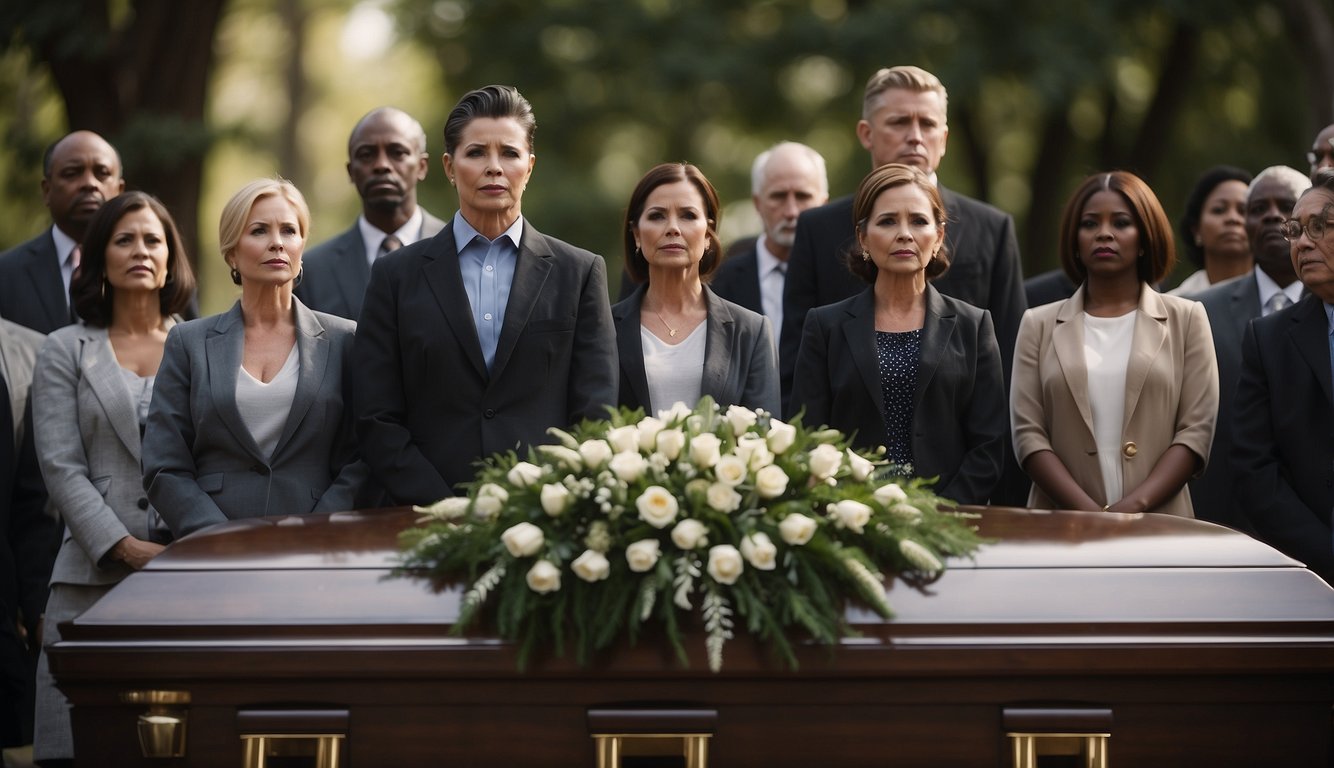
(785, 180)
(1283, 457)
(904, 121)
(1231, 305)
(1048, 287)
(1321, 155)
(79, 173)
(386, 158)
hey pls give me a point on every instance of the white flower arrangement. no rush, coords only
(731, 513)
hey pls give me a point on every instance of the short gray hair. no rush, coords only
(761, 164)
(1292, 178)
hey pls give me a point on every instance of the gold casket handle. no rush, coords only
(162, 727)
(315, 736)
(1068, 731)
(640, 732)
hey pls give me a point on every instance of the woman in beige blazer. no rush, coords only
(90, 395)
(1117, 385)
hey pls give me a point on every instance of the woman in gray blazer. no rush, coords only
(901, 365)
(250, 416)
(677, 340)
(91, 389)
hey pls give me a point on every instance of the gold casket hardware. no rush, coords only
(1075, 732)
(619, 734)
(305, 737)
(162, 727)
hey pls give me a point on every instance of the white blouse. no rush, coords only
(264, 407)
(675, 372)
(1107, 343)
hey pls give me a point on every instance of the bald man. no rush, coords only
(80, 172)
(386, 159)
(1322, 151)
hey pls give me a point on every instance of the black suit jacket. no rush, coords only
(32, 292)
(984, 271)
(427, 407)
(737, 279)
(1230, 305)
(740, 360)
(335, 272)
(1283, 449)
(960, 417)
(1048, 287)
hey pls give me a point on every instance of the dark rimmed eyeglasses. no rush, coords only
(1315, 228)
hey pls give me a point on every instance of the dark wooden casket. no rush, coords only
(1130, 640)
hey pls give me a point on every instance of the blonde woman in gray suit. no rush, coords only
(249, 415)
(91, 389)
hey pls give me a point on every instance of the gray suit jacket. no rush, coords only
(740, 360)
(18, 356)
(336, 271)
(87, 430)
(201, 465)
(32, 292)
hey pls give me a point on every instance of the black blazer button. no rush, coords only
(489, 413)
(143, 502)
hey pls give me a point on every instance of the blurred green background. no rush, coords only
(201, 96)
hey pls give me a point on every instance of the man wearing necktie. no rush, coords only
(1283, 457)
(79, 173)
(386, 159)
(1231, 305)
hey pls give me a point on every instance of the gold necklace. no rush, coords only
(670, 330)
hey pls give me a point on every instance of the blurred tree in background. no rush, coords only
(202, 95)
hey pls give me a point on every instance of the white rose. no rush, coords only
(705, 450)
(677, 412)
(628, 466)
(890, 494)
(649, 428)
(689, 534)
(562, 455)
(657, 506)
(723, 498)
(906, 512)
(797, 529)
(861, 468)
(524, 474)
(670, 443)
(591, 566)
(543, 577)
(730, 469)
(920, 556)
(755, 452)
(759, 551)
(487, 507)
(740, 418)
(850, 514)
(725, 564)
(781, 436)
(643, 554)
(494, 491)
(523, 539)
(448, 508)
(624, 439)
(770, 482)
(825, 461)
(595, 453)
(555, 498)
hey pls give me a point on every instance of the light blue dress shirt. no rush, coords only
(487, 267)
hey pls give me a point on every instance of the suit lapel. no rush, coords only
(1149, 335)
(1310, 334)
(530, 274)
(442, 275)
(752, 293)
(223, 347)
(625, 316)
(312, 348)
(352, 272)
(47, 283)
(1067, 341)
(97, 361)
(1245, 306)
(937, 328)
(859, 331)
(718, 349)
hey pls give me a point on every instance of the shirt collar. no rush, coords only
(372, 236)
(464, 232)
(767, 261)
(64, 243)
(1268, 287)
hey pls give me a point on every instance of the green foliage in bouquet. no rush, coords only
(747, 519)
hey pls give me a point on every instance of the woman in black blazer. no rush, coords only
(677, 340)
(900, 365)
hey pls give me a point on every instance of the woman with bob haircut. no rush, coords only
(90, 397)
(251, 417)
(1115, 390)
(901, 365)
(677, 339)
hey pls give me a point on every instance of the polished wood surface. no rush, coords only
(1206, 646)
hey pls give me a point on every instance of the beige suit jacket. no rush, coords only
(1171, 392)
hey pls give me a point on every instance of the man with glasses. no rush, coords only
(1283, 458)
(1321, 155)
(1231, 305)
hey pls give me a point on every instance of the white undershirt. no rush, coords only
(264, 407)
(675, 372)
(1107, 343)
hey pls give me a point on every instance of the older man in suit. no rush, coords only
(386, 159)
(1321, 155)
(79, 173)
(1283, 455)
(904, 121)
(1231, 305)
(785, 180)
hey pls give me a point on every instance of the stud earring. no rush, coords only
(866, 255)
